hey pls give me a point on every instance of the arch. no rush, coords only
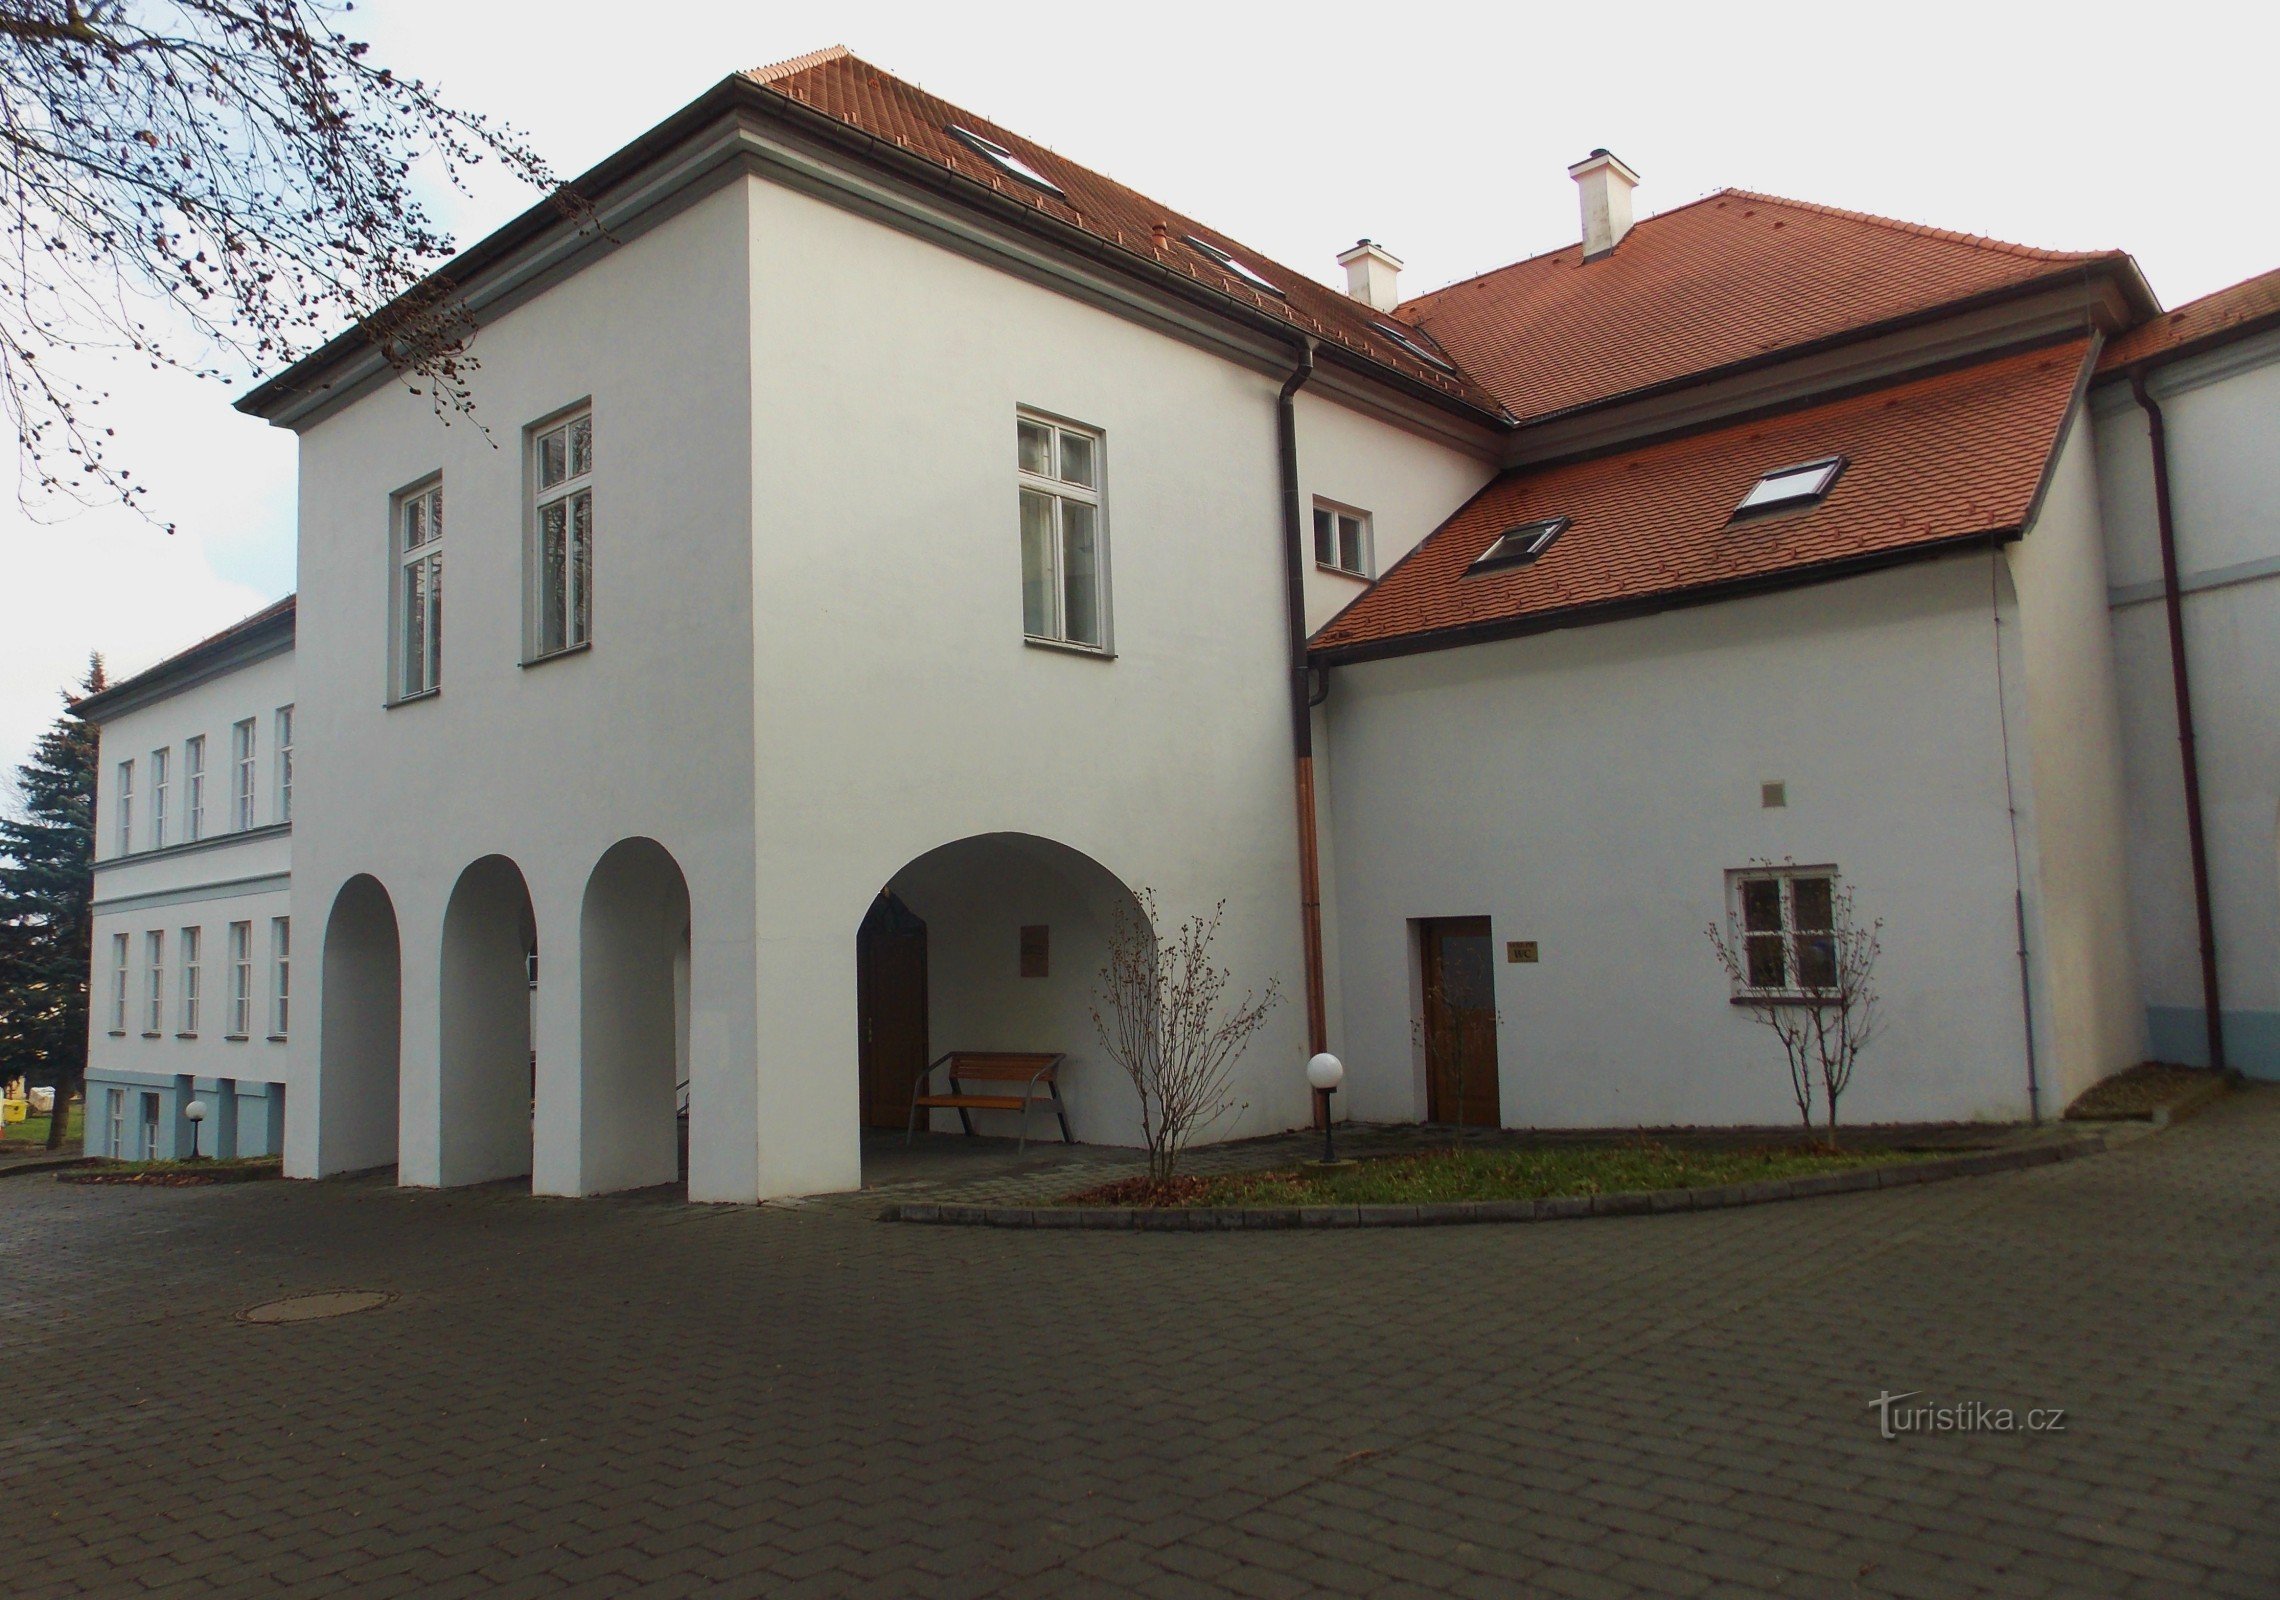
(634, 978)
(484, 1063)
(359, 1064)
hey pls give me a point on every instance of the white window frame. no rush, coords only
(241, 980)
(192, 942)
(115, 1103)
(1790, 935)
(154, 998)
(284, 763)
(160, 760)
(122, 953)
(1062, 492)
(193, 788)
(126, 807)
(1785, 488)
(243, 788)
(1365, 541)
(280, 975)
(415, 590)
(148, 1126)
(559, 623)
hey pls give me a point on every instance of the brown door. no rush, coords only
(1460, 1022)
(890, 977)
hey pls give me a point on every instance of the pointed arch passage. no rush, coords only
(485, 1065)
(359, 1064)
(634, 980)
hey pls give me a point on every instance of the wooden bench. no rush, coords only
(1033, 1070)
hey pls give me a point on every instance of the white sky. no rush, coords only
(1441, 131)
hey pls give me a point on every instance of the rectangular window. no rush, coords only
(159, 761)
(154, 1009)
(562, 541)
(149, 1150)
(193, 788)
(1788, 943)
(280, 975)
(192, 939)
(126, 806)
(1342, 539)
(1063, 509)
(241, 763)
(284, 763)
(241, 980)
(115, 1104)
(418, 596)
(118, 983)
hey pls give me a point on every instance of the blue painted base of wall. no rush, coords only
(244, 1117)
(2252, 1039)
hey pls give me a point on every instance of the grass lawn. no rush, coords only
(1434, 1176)
(32, 1132)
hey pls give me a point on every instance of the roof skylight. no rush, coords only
(999, 156)
(1227, 263)
(1785, 487)
(1415, 346)
(1520, 545)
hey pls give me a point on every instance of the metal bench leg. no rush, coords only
(1061, 1111)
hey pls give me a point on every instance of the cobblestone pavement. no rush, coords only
(635, 1397)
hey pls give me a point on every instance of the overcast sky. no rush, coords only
(1441, 131)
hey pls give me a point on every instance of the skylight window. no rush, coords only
(1227, 263)
(999, 156)
(1791, 486)
(1414, 346)
(1516, 547)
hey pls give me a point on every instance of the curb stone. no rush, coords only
(1557, 1208)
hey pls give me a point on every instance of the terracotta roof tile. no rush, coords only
(2208, 320)
(1727, 278)
(1939, 458)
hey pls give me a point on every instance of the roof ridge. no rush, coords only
(796, 64)
(1923, 229)
(1572, 244)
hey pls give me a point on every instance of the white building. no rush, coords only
(907, 543)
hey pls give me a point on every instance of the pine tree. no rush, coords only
(47, 886)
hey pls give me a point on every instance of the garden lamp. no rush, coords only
(1326, 1072)
(196, 1112)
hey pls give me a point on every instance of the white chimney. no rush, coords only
(1371, 272)
(1603, 187)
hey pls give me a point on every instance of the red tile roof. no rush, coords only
(1941, 458)
(864, 97)
(1728, 278)
(2229, 313)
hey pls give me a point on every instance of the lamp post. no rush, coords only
(1326, 1072)
(196, 1112)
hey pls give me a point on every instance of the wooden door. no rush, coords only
(890, 977)
(1460, 1022)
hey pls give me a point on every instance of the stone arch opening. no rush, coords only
(633, 1018)
(359, 1062)
(486, 1067)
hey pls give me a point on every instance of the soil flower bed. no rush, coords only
(175, 1174)
(1441, 1176)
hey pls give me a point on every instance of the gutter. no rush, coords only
(2188, 748)
(1302, 700)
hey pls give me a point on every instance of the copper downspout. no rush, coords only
(2173, 602)
(1301, 704)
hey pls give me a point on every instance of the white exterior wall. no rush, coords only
(1590, 790)
(2225, 501)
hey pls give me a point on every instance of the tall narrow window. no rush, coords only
(149, 1150)
(159, 762)
(1062, 538)
(284, 763)
(241, 979)
(192, 940)
(118, 983)
(154, 998)
(280, 974)
(115, 1101)
(419, 591)
(562, 481)
(126, 806)
(241, 764)
(193, 788)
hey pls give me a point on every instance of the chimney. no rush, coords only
(1603, 186)
(1371, 272)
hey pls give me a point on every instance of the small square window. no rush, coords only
(1227, 262)
(1342, 539)
(1787, 924)
(1518, 546)
(1006, 161)
(1791, 486)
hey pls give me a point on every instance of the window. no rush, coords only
(419, 590)
(280, 974)
(1063, 597)
(1413, 341)
(284, 763)
(1006, 161)
(158, 766)
(241, 762)
(1229, 264)
(194, 788)
(126, 806)
(115, 1101)
(192, 939)
(1788, 942)
(1516, 547)
(562, 476)
(154, 1011)
(1790, 486)
(118, 983)
(149, 1127)
(241, 979)
(1341, 539)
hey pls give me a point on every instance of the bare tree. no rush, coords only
(1163, 1015)
(1803, 964)
(213, 186)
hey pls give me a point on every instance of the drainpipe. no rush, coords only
(1301, 706)
(2188, 749)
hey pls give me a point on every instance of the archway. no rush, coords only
(485, 1064)
(359, 1068)
(633, 1017)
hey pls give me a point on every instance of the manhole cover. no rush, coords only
(312, 1307)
